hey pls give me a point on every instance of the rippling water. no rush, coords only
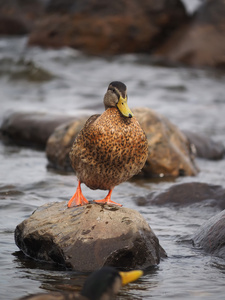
(68, 82)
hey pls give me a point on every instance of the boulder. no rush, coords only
(201, 42)
(60, 142)
(17, 17)
(31, 129)
(108, 27)
(169, 150)
(12, 26)
(186, 194)
(205, 146)
(88, 237)
(211, 236)
(170, 153)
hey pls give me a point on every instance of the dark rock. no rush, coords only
(108, 27)
(211, 236)
(201, 42)
(205, 146)
(186, 194)
(12, 26)
(88, 237)
(17, 17)
(31, 129)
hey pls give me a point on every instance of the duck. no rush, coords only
(110, 149)
(102, 284)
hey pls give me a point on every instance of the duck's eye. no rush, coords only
(113, 90)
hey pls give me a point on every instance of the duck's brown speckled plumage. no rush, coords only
(109, 150)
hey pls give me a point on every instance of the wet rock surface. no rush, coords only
(201, 42)
(186, 194)
(60, 142)
(88, 237)
(211, 236)
(205, 147)
(170, 152)
(31, 129)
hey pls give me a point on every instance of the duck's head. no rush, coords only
(116, 96)
(105, 283)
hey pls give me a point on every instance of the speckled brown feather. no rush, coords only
(109, 150)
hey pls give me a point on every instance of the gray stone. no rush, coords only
(205, 146)
(31, 128)
(186, 194)
(88, 237)
(211, 236)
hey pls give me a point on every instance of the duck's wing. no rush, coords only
(91, 120)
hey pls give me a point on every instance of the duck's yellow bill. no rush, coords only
(130, 276)
(123, 108)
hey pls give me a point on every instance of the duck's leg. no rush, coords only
(107, 199)
(78, 198)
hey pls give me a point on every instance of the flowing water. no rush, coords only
(68, 82)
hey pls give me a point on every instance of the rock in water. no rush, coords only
(211, 236)
(205, 146)
(170, 153)
(32, 128)
(107, 27)
(186, 193)
(88, 237)
(201, 42)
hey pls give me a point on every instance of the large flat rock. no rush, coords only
(88, 237)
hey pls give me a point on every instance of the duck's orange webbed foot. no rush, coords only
(107, 200)
(78, 198)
